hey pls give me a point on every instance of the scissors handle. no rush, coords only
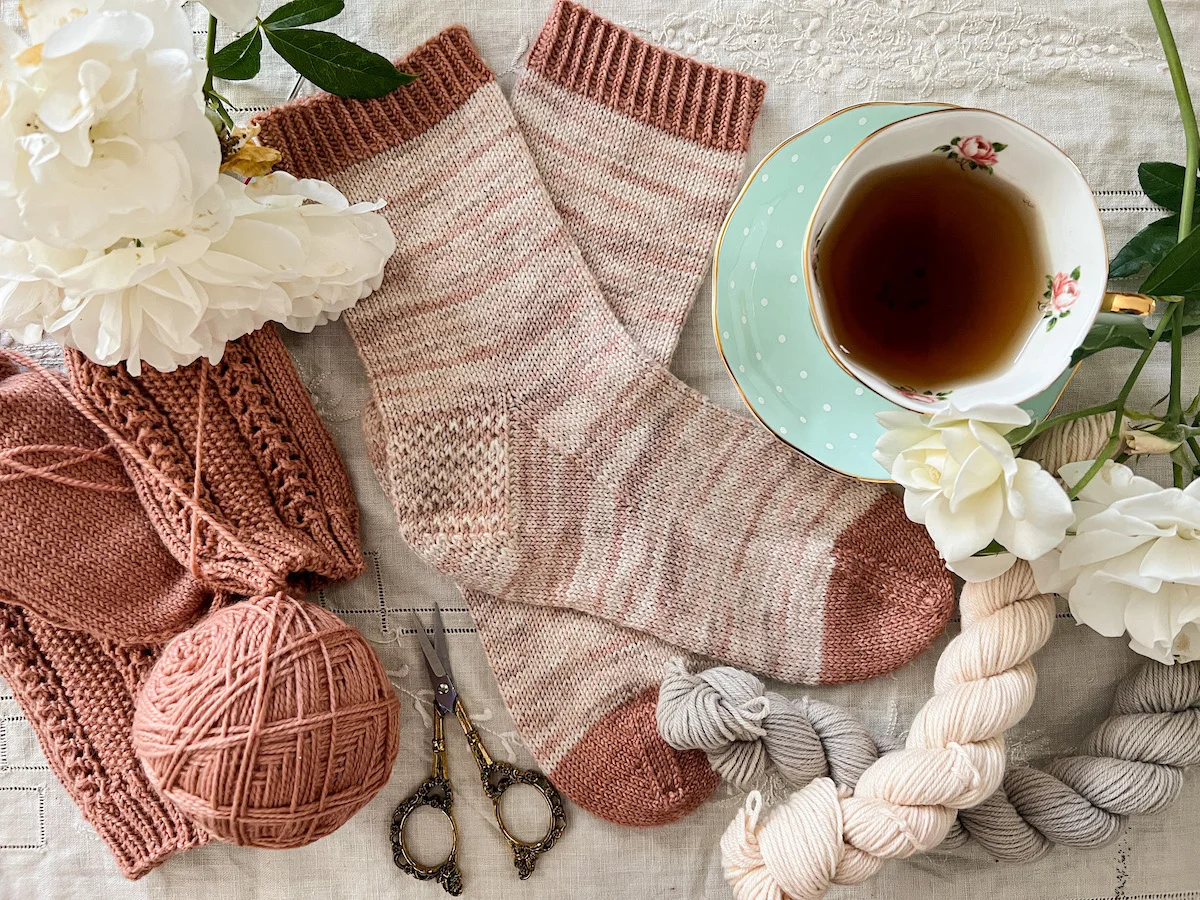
(498, 777)
(437, 793)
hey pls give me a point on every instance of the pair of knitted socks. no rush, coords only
(597, 512)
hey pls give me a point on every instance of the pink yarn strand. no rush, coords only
(19, 471)
(194, 536)
(118, 441)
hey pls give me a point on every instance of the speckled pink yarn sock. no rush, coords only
(464, 406)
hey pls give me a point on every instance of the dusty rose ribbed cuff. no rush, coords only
(321, 135)
(592, 56)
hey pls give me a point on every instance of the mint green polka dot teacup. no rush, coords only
(761, 313)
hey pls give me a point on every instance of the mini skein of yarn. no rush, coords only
(270, 723)
(1132, 764)
(907, 801)
(746, 730)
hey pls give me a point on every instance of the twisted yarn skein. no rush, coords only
(270, 723)
(907, 801)
(746, 730)
(1132, 764)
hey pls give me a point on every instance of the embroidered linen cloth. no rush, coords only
(1091, 78)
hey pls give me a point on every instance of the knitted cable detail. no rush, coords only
(907, 801)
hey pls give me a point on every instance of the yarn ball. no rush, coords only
(269, 724)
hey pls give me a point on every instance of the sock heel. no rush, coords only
(445, 470)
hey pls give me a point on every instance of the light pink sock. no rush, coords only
(622, 662)
(644, 204)
(534, 452)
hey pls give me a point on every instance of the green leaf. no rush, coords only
(1178, 272)
(1163, 183)
(303, 12)
(239, 60)
(336, 65)
(1075, 273)
(1146, 248)
(1113, 330)
(998, 146)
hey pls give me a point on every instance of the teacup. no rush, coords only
(1064, 210)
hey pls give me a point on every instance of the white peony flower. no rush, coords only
(279, 249)
(103, 135)
(237, 14)
(963, 482)
(1132, 561)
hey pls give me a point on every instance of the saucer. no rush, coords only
(764, 329)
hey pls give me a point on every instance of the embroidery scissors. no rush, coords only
(497, 777)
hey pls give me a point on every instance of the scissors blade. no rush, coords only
(439, 640)
(444, 693)
(431, 655)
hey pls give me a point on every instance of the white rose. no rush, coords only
(1132, 561)
(103, 136)
(282, 250)
(237, 14)
(963, 482)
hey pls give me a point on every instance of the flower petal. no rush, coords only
(960, 534)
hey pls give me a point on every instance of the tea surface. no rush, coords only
(931, 273)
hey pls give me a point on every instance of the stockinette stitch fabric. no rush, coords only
(80, 614)
(233, 466)
(585, 100)
(527, 443)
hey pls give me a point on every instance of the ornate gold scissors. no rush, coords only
(497, 777)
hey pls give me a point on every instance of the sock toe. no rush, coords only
(623, 771)
(889, 596)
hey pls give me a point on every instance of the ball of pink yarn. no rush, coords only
(270, 723)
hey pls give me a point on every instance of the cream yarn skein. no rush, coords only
(907, 801)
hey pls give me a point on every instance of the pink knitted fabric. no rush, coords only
(270, 504)
(78, 610)
(533, 452)
(602, 677)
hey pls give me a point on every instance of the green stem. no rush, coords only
(1192, 138)
(1195, 448)
(1114, 439)
(1047, 424)
(210, 50)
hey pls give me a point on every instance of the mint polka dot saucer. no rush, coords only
(761, 315)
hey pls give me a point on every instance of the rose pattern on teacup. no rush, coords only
(1062, 290)
(926, 396)
(972, 152)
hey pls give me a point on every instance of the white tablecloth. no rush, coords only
(1091, 77)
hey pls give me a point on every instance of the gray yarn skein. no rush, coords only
(745, 729)
(1131, 764)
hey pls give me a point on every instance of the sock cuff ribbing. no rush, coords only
(592, 56)
(324, 134)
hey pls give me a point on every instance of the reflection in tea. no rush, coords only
(931, 273)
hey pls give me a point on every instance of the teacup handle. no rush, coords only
(1129, 304)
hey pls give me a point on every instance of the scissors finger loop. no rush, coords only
(497, 778)
(435, 792)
